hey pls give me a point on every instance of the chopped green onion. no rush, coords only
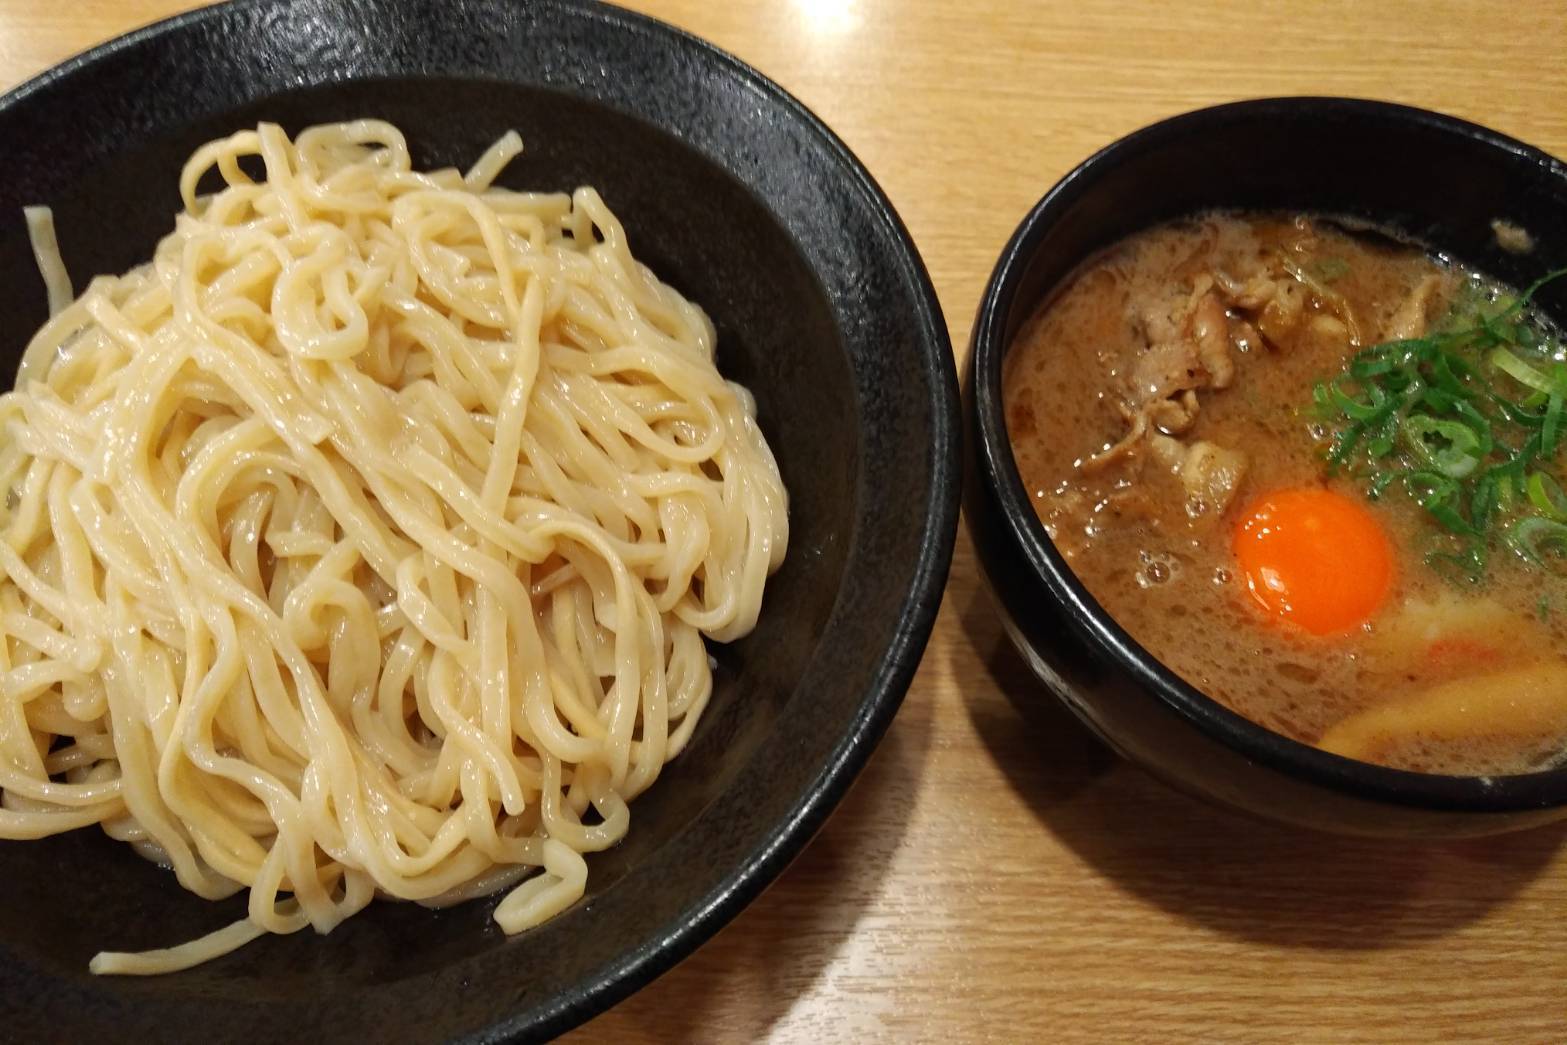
(1469, 420)
(1322, 400)
(1546, 495)
(1532, 536)
(1533, 288)
(1425, 435)
(1344, 444)
(1478, 422)
(1383, 436)
(1485, 501)
(1551, 426)
(1520, 371)
(1355, 409)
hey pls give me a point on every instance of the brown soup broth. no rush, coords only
(1158, 556)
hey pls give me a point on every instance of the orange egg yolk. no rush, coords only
(1314, 558)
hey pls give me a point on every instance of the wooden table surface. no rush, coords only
(995, 874)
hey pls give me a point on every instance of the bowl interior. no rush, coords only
(745, 204)
(1433, 180)
(1437, 181)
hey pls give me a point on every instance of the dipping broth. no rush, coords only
(1288, 459)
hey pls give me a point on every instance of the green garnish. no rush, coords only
(1450, 447)
(1328, 269)
(1533, 536)
(1520, 371)
(1546, 495)
(1468, 422)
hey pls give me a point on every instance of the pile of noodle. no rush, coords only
(365, 540)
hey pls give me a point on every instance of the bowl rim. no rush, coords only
(894, 668)
(1090, 624)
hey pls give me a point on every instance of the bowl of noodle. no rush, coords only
(478, 482)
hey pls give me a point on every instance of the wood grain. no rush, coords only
(995, 874)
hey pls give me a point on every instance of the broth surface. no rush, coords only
(1147, 521)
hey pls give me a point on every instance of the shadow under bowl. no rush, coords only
(1434, 180)
(741, 199)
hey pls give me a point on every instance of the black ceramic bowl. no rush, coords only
(745, 202)
(1436, 180)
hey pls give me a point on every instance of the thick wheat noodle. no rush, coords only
(363, 542)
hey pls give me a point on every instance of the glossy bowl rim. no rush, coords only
(897, 663)
(1089, 623)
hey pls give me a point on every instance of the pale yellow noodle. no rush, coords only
(363, 542)
(46, 251)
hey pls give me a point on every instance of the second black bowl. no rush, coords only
(1438, 181)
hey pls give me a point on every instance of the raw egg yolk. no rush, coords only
(1314, 558)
